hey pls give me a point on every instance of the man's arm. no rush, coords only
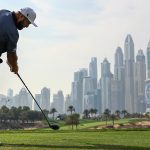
(12, 61)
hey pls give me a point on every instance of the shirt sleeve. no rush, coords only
(11, 45)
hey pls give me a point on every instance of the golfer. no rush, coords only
(10, 23)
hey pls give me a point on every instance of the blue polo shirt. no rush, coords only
(8, 32)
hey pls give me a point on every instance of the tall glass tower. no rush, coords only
(93, 71)
(129, 74)
(45, 98)
(140, 77)
(77, 89)
(118, 64)
(106, 85)
(119, 78)
(148, 60)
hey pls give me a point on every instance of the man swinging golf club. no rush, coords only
(10, 23)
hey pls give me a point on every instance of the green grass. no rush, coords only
(83, 138)
(85, 124)
(75, 140)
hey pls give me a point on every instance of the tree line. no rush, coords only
(20, 114)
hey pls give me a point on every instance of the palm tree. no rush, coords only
(107, 114)
(117, 112)
(26, 108)
(71, 109)
(95, 111)
(91, 112)
(4, 113)
(53, 111)
(73, 120)
(124, 112)
(4, 109)
(86, 113)
(113, 118)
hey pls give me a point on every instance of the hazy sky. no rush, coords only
(69, 33)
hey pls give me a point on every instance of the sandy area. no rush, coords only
(142, 124)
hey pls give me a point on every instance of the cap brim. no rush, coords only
(34, 24)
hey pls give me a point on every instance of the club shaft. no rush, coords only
(34, 99)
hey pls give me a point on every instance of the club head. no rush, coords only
(54, 126)
(1, 60)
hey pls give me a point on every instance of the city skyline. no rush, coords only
(112, 70)
(69, 34)
(123, 89)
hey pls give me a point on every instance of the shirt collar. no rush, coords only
(14, 18)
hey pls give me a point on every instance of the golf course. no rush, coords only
(86, 136)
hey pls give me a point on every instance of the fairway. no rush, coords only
(48, 139)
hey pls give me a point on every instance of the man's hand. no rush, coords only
(12, 62)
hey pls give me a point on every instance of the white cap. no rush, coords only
(29, 14)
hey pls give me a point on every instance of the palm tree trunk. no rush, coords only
(53, 116)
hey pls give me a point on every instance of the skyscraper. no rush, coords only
(77, 89)
(93, 71)
(147, 82)
(38, 99)
(68, 102)
(45, 98)
(148, 60)
(140, 77)
(61, 101)
(88, 93)
(106, 77)
(93, 74)
(23, 99)
(129, 74)
(10, 93)
(58, 102)
(119, 65)
(119, 80)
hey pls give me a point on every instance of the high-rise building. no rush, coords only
(61, 102)
(23, 99)
(119, 65)
(148, 60)
(93, 74)
(38, 99)
(97, 100)
(9, 100)
(147, 95)
(118, 83)
(140, 77)
(93, 71)
(10, 93)
(106, 77)
(88, 93)
(68, 102)
(129, 74)
(77, 89)
(3, 100)
(45, 98)
(147, 82)
(58, 102)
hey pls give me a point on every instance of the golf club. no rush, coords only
(52, 126)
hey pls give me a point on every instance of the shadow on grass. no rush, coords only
(94, 146)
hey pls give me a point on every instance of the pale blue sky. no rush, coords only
(70, 32)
